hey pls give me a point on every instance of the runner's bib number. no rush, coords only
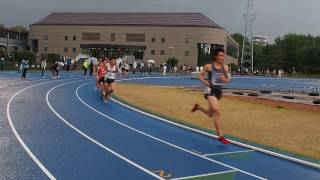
(110, 76)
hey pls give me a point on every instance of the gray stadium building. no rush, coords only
(190, 37)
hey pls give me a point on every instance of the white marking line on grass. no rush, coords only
(93, 140)
(203, 175)
(25, 147)
(224, 153)
(160, 140)
(232, 141)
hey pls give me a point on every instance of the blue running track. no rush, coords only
(60, 129)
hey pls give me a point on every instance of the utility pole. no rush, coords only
(247, 46)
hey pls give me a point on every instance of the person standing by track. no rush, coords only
(43, 67)
(218, 74)
(24, 68)
(85, 66)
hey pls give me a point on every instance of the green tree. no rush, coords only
(172, 61)
(51, 57)
(19, 28)
(239, 39)
(19, 55)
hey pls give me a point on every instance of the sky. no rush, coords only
(273, 17)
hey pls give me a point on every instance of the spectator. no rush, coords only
(85, 66)
(2, 62)
(197, 69)
(165, 69)
(43, 66)
(135, 64)
(74, 65)
(201, 68)
(150, 68)
(24, 68)
(142, 67)
(68, 64)
(91, 68)
(175, 68)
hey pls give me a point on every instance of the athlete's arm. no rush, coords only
(203, 76)
(226, 78)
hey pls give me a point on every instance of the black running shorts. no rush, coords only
(215, 91)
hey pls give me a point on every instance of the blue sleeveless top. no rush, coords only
(215, 75)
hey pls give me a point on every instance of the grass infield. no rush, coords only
(291, 131)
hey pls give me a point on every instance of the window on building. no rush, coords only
(74, 50)
(3, 34)
(153, 40)
(153, 52)
(135, 37)
(65, 50)
(88, 36)
(113, 37)
(162, 52)
(74, 38)
(187, 40)
(205, 52)
(186, 53)
(45, 49)
(34, 45)
(163, 40)
(66, 38)
(46, 37)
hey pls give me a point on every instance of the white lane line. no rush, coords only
(25, 147)
(203, 175)
(160, 140)
(33, 80)
(224, 153)
(10, 80)
(296, 160)
(93, 140)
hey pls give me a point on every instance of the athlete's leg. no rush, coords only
(208, 111)
(111, 88)
(214, 108)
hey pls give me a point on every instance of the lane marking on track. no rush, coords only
(204, 175)
(9, 80)
(31, 80)
(24, 146)
(225, 153)
(160, 140)
(93, 140)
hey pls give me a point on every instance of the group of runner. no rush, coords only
(106, 71)
(218, 73)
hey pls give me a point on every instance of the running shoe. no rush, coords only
(195, 107)
(223, 140)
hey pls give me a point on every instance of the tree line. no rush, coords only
(291, 50)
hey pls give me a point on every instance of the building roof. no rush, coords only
(123, 19)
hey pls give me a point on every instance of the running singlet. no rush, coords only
(101, 71)
(111, 72)
(215, 75)
(216, 83)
